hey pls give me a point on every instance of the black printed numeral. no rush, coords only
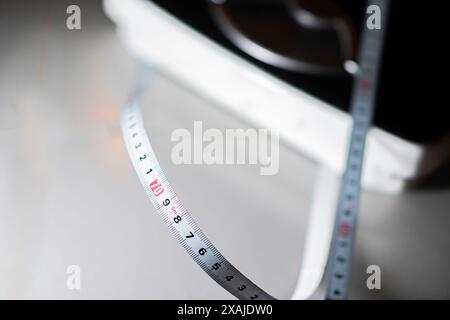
(190, 235)
(216, 266)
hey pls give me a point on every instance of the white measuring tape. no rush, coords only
(195, 242)
(174, 214)
(362, 110)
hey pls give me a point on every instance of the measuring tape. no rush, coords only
(362, 109)
(194, 241)
(174, 214)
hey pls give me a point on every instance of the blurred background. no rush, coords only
(69, 194)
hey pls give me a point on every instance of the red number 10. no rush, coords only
(156, 187)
